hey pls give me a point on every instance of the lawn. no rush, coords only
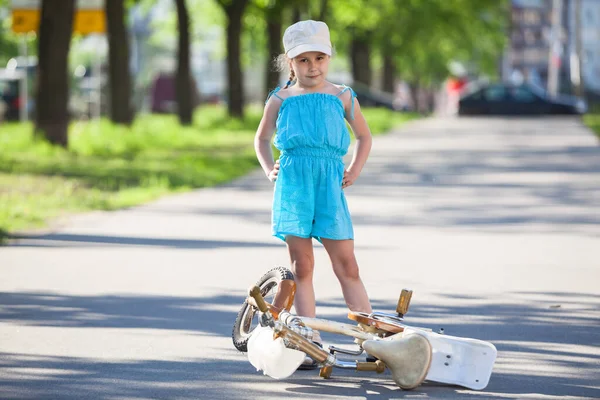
(108, 167)
(593, 121)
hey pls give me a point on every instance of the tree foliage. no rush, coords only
(424, 36)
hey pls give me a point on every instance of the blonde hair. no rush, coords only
(282, 63)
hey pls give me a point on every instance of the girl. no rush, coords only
(309, 116)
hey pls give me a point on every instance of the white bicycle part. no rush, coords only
(458, 361)
(455, 360)
(271, 355)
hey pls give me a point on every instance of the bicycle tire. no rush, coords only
(243, 326)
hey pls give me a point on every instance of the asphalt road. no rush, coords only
(494, 223)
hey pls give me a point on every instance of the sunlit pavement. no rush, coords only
(494, 223)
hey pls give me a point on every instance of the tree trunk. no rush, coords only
(323, 10)
(296, 14)
(360, 54)
(121, 110)
(52, 93)
(415, 89)
(183, 85)
(389, 74)
(235, 94)
(274, 45)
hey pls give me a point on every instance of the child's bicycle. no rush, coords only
(277, 341)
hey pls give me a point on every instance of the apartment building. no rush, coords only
(589, 19)
(531, 36)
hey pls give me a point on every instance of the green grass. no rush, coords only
(592, 119)
(107, 166)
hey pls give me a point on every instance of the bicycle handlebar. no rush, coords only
(254, 292)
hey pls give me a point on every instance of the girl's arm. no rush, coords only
(362, 133)
(264, 134)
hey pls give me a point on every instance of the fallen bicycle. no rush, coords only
(278, 341)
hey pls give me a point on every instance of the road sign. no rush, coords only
(24, 21)
(89, 16)
(89, 21)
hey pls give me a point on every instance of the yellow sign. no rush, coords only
(86, 20)
(24, 21)
(89, 21)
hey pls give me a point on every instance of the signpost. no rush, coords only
(89, 18)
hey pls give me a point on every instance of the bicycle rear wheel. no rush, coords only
(247, 318)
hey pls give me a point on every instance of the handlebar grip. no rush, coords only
(404, 302)
(254, 292)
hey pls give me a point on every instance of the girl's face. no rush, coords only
(310, 68)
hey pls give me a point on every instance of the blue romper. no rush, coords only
(312, 137)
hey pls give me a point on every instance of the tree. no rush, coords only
(56, 26)
(274, 31)
(360, 57)
(323, 9)
(183, 83)
(234, 10)
(356, 24)
(272, 13)
(121, 110)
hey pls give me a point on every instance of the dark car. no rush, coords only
(373, 98)
(509, 99)
(9, 95)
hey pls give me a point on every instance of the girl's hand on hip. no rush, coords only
(349, 178)
(274, 172)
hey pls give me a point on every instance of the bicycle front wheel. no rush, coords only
(247, 318)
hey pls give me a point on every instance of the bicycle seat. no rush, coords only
(408, 357)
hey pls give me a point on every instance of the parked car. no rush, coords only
(9, 96)
(10, 93)
(374, 98)
(3, 108)
(510, 99)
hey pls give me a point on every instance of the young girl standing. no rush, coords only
(309, 115)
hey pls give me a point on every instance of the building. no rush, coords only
(590, 41)
(531, 35)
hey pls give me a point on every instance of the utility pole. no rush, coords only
(576, 75)
(555, 48)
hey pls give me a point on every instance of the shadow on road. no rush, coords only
(153, 312)
(547, 332)
(71, 240)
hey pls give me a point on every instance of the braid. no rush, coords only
(290, 79)
(282, 63)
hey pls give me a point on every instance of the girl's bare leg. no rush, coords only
(345, 267)
(302, 260)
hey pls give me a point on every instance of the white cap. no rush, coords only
(306, 36)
